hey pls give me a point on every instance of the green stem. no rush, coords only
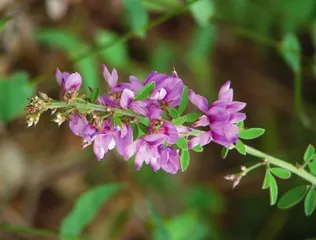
(253, 167)
(299, 171)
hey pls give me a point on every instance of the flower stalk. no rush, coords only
(299, 171)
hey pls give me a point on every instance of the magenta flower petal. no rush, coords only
(170, 130)
(155, 139)
(135, 84)
(131, 149)
(173, 165)
(73, 82)
(237, 117)
(224, 89)
(204, 139)
(59, 76)
(231, 132)
(158, 94)
(110, 78)
(101, 145)
(127, 98)
(77, 124)
(202, 122)
(123, 141)
(139, 107)
(235, 106)
(198, 101)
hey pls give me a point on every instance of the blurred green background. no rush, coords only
(266, 48)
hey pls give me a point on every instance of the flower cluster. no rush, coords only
(141, 118)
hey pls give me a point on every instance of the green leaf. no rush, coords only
(3, 21)
(224, 152)
(312, 167)
(14, 93)
(117, 53)
(74, 47)
(202, 11)
(173, 112)
(290, 50)
(145, 91)
(94, 95)
(184, 100)
(135, 131)
(309, 153)
(143, 127)
(292, 197)
(251, 133)
(185, 159)
(281, 173)
(273, 190)
(86, 208)
(137, 16)
(310, 201)
(118, 121)
(197, 148)
(179, 121)
(192, 117)
(266, 182)
(182, 143)
(241, 125)
(241, 147)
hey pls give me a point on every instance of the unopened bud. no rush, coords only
(243, 168)
(59, 119)
(43, 95)
(236, 182)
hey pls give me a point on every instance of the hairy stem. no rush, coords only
(299, 171)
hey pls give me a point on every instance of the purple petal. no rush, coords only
(140, 107)
(123, 141)
(107, 101)
(168, 129)
(155, 139)
(73, 82)
(59, 76)
(154, 111)
(77, 124)
(219, 137)
(173, 165)
(237, 117)
(131, 149)
(127, 98)
(224, 89)
(135, 83)
(235, 106)
(198, 101)
(101, 145)
(202, 122)
(154, 164)
(183, 130)
(110, 78)
(158, 94)
(231, 132)
(204, 139)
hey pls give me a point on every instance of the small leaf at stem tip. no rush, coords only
(145, 91)
(251, 133)
(192, 117)
(179, 121)
(312, 167)
(310, 202)
(224, 152)
(197, 148)
(241, 125)
(94, 95)
(119, 114)
(173, 113)
(266, 182)
(292, 197)
(185, 159)
(182, 143)
(273, 190)
(241, 147)
(309, 153)
(117, 121)
(184, 100)
(290, 50)
(281, 173)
